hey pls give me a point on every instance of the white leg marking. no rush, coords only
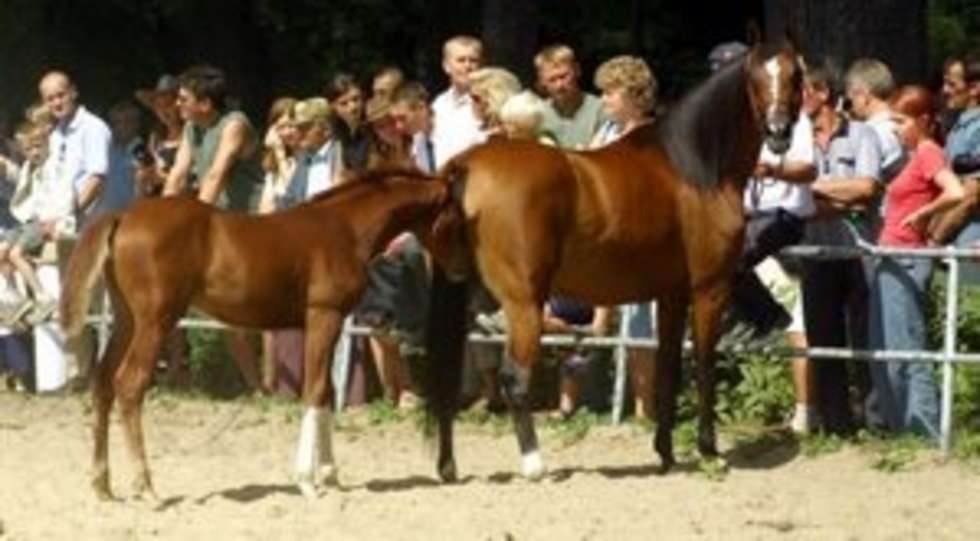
(308, 452)
(328, 471)
(531, 466)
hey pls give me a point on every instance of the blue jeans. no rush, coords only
(906, 392)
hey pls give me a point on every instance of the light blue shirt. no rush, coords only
(79, 149)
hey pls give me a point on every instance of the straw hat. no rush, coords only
(378, 108)
(166, 84)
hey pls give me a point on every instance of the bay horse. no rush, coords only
(302, 267)
(656, 215)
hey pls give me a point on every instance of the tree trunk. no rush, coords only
(510, 34)
(893, 31)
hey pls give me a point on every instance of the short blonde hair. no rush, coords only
(552, 55)
(495, 86)
(631, 74)
(873, 75)
(463, 41)
(525, 109)
(40, 115)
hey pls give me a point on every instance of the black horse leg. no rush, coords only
(671, 317)
(515, 383)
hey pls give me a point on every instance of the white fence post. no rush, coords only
(949, 349)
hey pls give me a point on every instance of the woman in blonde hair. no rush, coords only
(278, 160)
(490, 88)
(629, 96)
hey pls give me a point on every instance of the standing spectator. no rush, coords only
(522, 117)
(78, 158)
(835, 292)
(961, 93)
(386, 81)
(456, 127)
(412, 114)
(869, 86)
(571, 116)
(318, 166)
(217, 160)
(127, 148)
(907, 393)
(629, 95)
(282, 350)
(347, 102)
(490, 88)
(164, 139)
(79, 144)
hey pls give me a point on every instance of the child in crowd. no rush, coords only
(27, 238)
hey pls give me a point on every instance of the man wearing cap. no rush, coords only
(318, 167)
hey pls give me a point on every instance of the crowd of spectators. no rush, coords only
(866, 163)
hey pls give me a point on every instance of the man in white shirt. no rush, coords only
(456, 127)
(79, 144)
(778, 200)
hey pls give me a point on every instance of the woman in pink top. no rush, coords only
(906, 392)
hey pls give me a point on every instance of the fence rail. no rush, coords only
(948, 357)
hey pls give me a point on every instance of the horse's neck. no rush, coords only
(401, 207)
(746, 153)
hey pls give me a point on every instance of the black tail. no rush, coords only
(444, 341)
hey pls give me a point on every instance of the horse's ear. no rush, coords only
(792, 39)
(753, 34)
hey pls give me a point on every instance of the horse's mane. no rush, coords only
(367, 178)
(700, 134)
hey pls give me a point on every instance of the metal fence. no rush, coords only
(948, 357)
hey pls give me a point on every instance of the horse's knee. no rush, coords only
(515, 381)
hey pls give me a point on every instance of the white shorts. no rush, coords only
(786, 290)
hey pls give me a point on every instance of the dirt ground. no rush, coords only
(222, 471)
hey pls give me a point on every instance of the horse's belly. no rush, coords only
(617, 280)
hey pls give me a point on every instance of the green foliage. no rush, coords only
(759, 388)
(384, 412)
(820, 444)
(212, 368)
(573, 430)
(892, 454)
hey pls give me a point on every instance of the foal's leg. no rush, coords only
(316, 438)
(708, 307)
(130, 383)
(524, 336)
(671, 320)
(103, 396)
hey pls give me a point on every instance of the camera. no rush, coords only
(142, 154)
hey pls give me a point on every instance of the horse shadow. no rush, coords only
(763, 451)
(250, 493)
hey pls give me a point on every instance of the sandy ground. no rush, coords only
(222, 470)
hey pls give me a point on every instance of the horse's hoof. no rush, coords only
(102, 490)
(667, 462)
(308, 489)
(532, 467)
(447, 471)
(329, 476)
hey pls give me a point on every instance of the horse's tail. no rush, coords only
(86, 261)
(444, 340)
(447, 322)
